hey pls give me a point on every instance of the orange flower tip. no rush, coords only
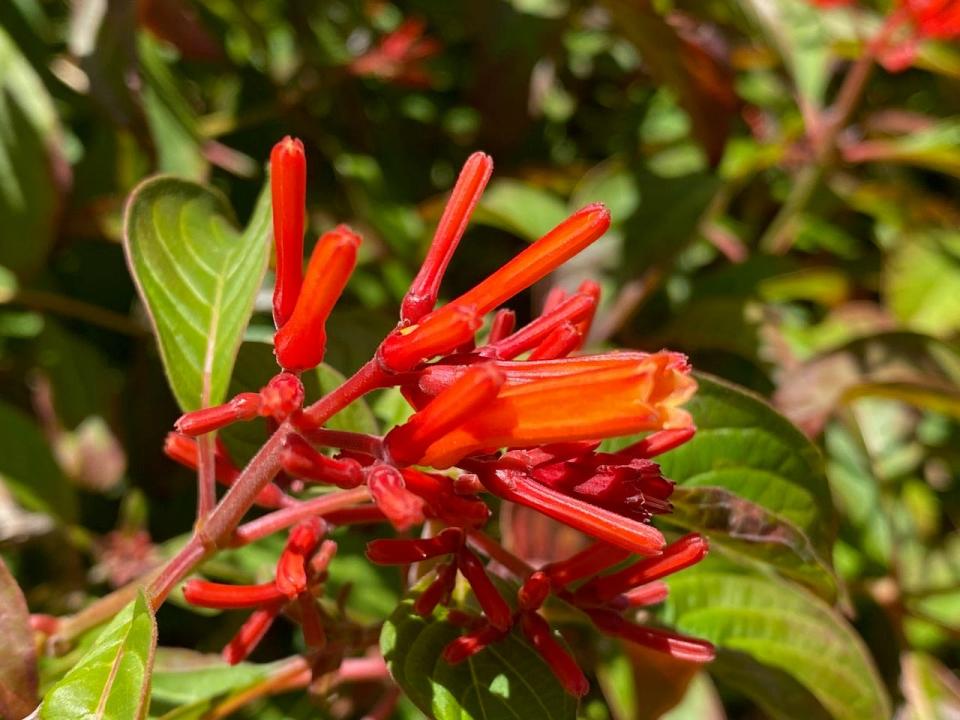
(244, 406)
(439, 333)
(286, 148)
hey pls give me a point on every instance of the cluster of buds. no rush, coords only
(518, 416)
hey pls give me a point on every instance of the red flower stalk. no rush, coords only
(685, 552)
(422, 295)
(402, 508)
(251, 632)
(288, 187)
(564, 667)
(573, 309)
(301, 342)
(403, 551)
(621, 399)
(593, 559)
(300, 459)
(438, 590)
(473, 642)
(502, 325)
(598, 522)
(439, 333)
(558, 344)
(489, 598)
(674, 644)
(313, 633)
(441, 499)
(292, 566)
(534, 591)
(230, 597)
(467, 395)
(183, 450)
(244, 406)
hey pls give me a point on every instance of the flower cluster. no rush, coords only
(516, 415)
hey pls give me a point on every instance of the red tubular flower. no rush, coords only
(559, 343)
(403, 552)
(593, 559)
(595, 521)
(292, 566)
(402, 508)
(301, 460)
(399, 56)
(561, 663)
(621, 399)
(251, 632)
(649, 594)
(363, 515)
(674, 644)
(556, 296)
(572, 309)
(301, 342)
(533, 593)
(281, 396)
(473, 642)
(244, 406)
(591, 289)
(440, 332)
(469, 393)
(658, 443)
(937, 19)
(438, 590)
(685, 552)
(229, 597)
(489, 598)
(422, 295)
(288, 187)
(502, 325)
(442, 501)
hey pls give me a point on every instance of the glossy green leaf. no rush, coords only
(506, 680)
(112, 681)
(28, 469)
(520, 208)
(31, 169)
(922, 282)
(18, 661)
(197, 277)
(754, 484)
(783, 627)
(356, 417)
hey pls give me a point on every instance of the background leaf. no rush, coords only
(112, 681)
(198, 278)
(18, 661)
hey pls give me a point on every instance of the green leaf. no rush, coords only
(31, 169)
(922, 281)
(198, 278)
(783, 627)
(356, 417)
(506, 680)
(936, 147)
(932, 691)
(112, 681)
(754, 484)
(18, 661)
(28, 469)
(517, 207)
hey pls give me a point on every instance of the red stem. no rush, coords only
(282, 519)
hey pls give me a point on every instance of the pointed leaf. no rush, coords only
(18, 661)
(112, 681)
(198, 278)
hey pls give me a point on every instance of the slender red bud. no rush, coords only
(556, 296)
(658, 443)
(503, 323)
(442, 501)
(46, 624)
(301, 460)
(311, 622)
(681, 554)
(473, 642)
(534, 591)
(649, 594)
(422, 295)
(478, 386)
(489, 598)
(288, 187)
(573, 309)
(399, 551)
(561, 342)
(438, 590)
(321, 558)
(593, 559)
(244, 406)
(561, 663)
(401, 507)
(438, 333)
(362, 515)
(301, 342)
(251, 632)
(591, 288)
(292, 565)
(679, 646)
(229, 597)
(281, 396)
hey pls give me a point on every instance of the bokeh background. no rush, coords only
(829, 283)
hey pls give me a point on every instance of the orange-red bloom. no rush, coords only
(288, 187)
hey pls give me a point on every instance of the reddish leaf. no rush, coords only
(18, 661)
